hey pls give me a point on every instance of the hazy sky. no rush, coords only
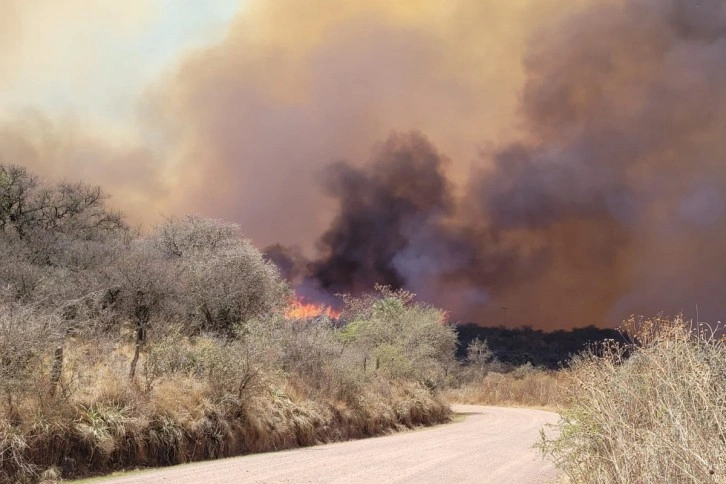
(93, 59)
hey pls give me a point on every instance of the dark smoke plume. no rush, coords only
(382, 210)
(612, 203)
(390, 211)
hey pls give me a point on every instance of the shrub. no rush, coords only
(400, 337)
(223, 289)
(26, 341)
(651, 411)
(221, 280)
(227, 366)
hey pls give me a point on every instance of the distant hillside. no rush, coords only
(521, 345)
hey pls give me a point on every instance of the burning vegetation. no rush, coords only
(300, 309)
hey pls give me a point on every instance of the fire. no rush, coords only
(299, 309)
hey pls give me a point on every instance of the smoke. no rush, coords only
(66, 150)
(61, 48)
(611, 202)
(382, 210)
(59, 55)
(291, 89)
(553, 163)
(617, 181)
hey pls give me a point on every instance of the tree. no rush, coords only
(29, 205)
(478, 354)
(55, 239)
(216, 280)
(16, 188)
(403, 338)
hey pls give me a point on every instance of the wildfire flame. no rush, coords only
(299, 309)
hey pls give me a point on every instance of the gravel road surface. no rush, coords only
(487, 445)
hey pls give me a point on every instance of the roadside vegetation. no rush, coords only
(120, 349)
(646, 407)
(483, 379)
(650, 411)
(524, 386)
(519, 366)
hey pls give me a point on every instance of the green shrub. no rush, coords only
(400, 337)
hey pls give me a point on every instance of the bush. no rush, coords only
(652, 411)
(221, 280)
(27, 339)
(400, 337)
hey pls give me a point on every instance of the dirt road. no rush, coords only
(489, 445)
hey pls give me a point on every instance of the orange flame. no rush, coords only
(299, 309)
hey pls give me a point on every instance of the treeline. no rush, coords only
(123, 349)
(520, 346)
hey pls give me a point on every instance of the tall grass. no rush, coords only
(653, 411)
(526, 387)
(484, 380)
(279, 383)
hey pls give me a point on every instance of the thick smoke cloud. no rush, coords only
(612, 202)
(292, 88)
(382, 210)
(55, 56)
(620, 182)
(562, 160)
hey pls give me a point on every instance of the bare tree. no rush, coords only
(478, 354)
(143, 284)
(190, 235)
(55, 240)
(29, 205)
(223, 278)
(17, 187)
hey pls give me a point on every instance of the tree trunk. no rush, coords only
(140, 337)
(134, 361)
(56, 370)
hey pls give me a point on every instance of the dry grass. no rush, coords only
(649, 412)
(120, 349)
(526, 387)
(281, 384)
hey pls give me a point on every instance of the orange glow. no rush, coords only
(299, 309)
